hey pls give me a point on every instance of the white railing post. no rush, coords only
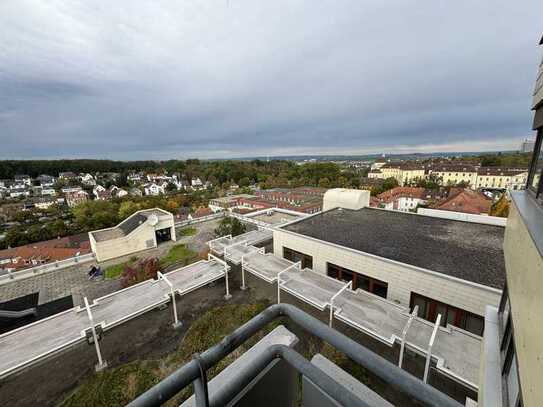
(243, 286)
(348, 285)
(176, 323)
(404, 333)
(226, 267)
(227, 295)
(430, 345)
(101, 364)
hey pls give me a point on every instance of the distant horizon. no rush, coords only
(292, 157)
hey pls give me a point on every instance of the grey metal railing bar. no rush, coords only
(401, 380)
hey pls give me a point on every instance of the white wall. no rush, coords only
(466, 217)
(402, 279)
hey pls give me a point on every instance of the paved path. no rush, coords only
(59, 283)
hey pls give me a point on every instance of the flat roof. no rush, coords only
(126, 226)
(465, 250)
(276, 218)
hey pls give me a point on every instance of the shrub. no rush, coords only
(230, 226)
(143, 270)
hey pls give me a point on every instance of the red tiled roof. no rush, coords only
(46, 251)
(202, 212)
(466, 201)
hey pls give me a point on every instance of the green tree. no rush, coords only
(230, 226)
(127, 208)
(244, 182)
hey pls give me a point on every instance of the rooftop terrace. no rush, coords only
(469, 251)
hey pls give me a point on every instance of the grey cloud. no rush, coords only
(235, 78)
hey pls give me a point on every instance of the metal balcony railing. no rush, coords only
(195, 371)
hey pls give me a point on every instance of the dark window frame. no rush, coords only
(296, 256)
(536, 191)
(357, 278)
(508, 349)
(461, 316)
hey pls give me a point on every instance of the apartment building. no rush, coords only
(501, 178)
(228, 202)
(444, 266)
(454, 174)
(513, 347)
(304, 199)
(404, 172)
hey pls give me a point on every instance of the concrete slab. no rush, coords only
(314, 288)
(195, 275)
(276, 218)
(265, 266)
(252, 237)
(234, 253)
(279, 336)
(347, 381)
(456, 352)
(31, 343)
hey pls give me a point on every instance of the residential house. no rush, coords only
(44, 203)
(154, 189)
(97, 190)
(466, 201)
(121, 193)
(135, 192)
(48, 191)
(46, 180)
(69, 190)
(23, 179)
(18, 192)
(47, 251)
(135, 178)
(75, 198)
(196, 183)
(403, 199)
(87, 179)
(68, 175)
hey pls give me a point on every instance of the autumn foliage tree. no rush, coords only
(143, 270)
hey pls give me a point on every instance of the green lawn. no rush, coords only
(179, 254)
(190, 231)
(118, 386)
(115, 271)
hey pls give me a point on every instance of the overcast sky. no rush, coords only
(228, 78)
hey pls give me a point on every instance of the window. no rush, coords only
(366, 283)
(293, 255)
(536, 169)
(430, 308)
